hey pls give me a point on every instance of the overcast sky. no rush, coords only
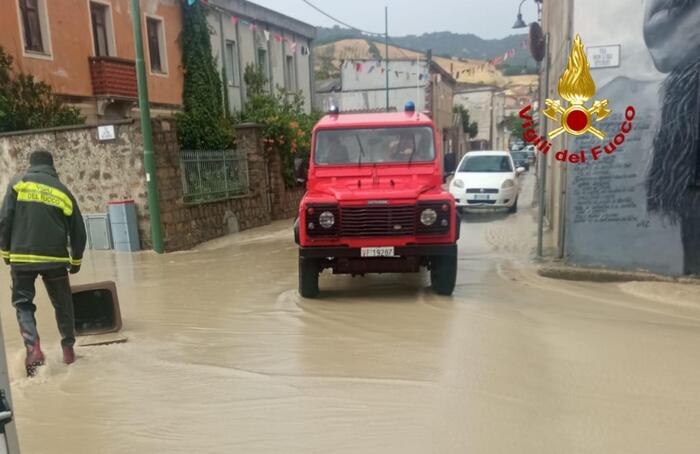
(485, 18)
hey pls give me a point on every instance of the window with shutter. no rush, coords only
(291, 74)
(153, 32)
(31, 22)
(99, 29)
(232, 63)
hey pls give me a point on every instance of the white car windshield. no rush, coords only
(373, 146)
(487, 164)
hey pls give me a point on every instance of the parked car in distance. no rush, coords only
(520, 159)
(531, 151)
(486, 180)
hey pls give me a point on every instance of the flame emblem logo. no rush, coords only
(576, 86)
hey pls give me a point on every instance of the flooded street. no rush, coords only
(224, 356)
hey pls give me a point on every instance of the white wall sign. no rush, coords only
(603, 56)
(106, 132)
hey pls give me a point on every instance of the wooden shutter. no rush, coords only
(153, 33)
(32, 25)
(99, 29)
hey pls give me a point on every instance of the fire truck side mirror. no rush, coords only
(300, 171)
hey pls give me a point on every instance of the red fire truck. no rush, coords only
(375, 202)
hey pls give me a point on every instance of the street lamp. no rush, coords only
(519, 23)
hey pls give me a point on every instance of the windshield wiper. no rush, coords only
(413, 151)
(410, 158)
(362, 150)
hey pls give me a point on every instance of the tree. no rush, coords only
(202, 125)
(26, 103)
(471, 128)
(286, 127)
(514, 125)
(374, 50)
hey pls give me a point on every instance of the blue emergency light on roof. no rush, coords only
(334, 110)
(410, 107)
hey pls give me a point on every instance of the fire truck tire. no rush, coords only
(443, 274)
(308, 277)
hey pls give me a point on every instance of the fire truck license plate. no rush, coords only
(377, 252)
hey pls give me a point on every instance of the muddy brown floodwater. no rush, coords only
(224, 356)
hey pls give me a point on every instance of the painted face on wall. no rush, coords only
(672, 32)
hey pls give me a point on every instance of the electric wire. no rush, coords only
(344, 24)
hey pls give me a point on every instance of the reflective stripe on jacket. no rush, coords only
(37, 218)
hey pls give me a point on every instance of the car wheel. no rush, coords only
(308, 277)
(443, 274)
(514, 208)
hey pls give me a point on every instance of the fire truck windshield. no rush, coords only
(374, 146)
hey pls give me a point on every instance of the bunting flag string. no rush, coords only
(293, 46)
(369, 67)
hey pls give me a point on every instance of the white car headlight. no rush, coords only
(428, 217)
(326, 219)
(507, 184)
(458, 183)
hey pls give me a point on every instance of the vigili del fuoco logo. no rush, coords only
(576, 87)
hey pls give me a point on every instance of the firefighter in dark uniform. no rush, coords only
(38, 216)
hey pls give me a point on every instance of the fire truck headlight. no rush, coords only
(428, 217)
(326, 219)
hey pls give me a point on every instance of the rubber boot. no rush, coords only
(35, 358)
(68, 355)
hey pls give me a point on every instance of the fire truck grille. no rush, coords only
(378, 221)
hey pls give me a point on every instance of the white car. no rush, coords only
(486, 180)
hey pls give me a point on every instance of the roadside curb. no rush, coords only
(572, 273)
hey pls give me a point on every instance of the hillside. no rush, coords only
(330, 56)
(448, 44)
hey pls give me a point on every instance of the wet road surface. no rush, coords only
(224, 356)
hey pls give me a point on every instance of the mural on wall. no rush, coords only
(639, 207)
(672, 35)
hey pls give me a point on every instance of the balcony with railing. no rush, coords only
(113, 77)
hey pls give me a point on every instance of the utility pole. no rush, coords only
(542, 158)
(144, 107)
(386, 51)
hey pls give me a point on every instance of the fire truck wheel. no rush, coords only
(308, 277)
(443, 274)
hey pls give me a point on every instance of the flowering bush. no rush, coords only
(286, 126)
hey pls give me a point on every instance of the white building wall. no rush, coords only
(365, 88)
(248, 41)
(479, 105)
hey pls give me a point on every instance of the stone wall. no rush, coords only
(283, 200)
(186, 225)
(99, 171)
(95, 171)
